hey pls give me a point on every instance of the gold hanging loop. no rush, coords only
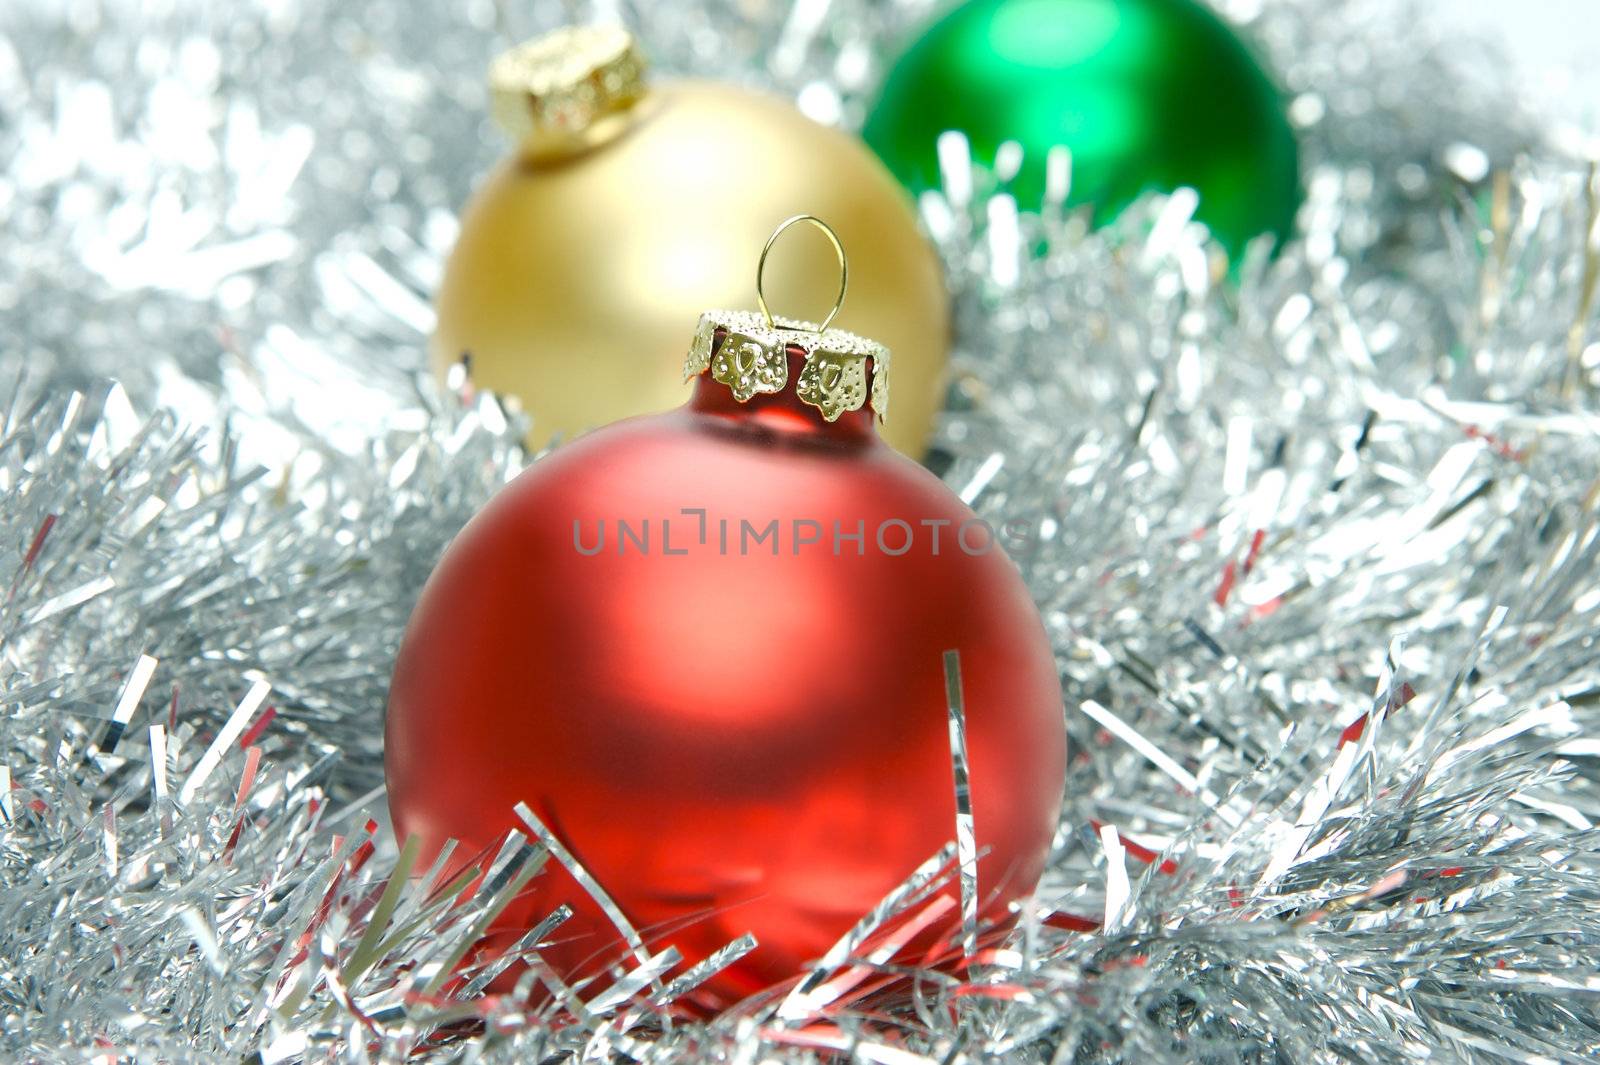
(838, 250)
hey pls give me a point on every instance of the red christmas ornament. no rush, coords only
(704, 647)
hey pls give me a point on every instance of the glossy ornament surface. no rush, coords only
(1146, 94)
(576, 276)
(731, 725)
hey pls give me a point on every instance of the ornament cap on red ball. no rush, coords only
(703, 650)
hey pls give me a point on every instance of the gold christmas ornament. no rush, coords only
(625, 211)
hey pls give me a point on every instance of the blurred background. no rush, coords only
(1553, 42)
(259, 197)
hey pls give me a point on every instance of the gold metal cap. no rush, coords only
(753, 356)
(568, 90)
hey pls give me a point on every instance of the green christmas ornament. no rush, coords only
(1146, 94)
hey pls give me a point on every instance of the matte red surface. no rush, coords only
(730, 743)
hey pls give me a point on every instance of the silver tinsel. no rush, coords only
(1317, 550)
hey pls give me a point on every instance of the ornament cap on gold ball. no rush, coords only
(570, 90)
(749, 351)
